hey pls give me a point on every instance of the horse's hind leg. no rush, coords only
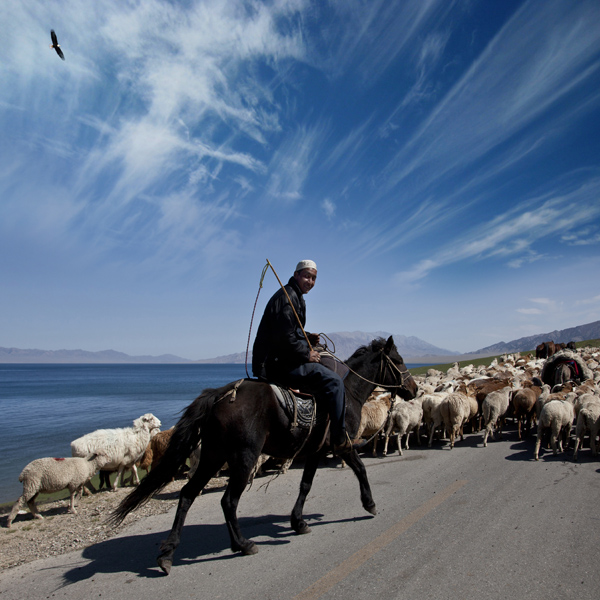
(310, 468)
(210, 463)
(240, 470)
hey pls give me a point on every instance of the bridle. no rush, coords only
(385, 364)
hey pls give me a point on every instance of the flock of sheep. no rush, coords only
(533, 391)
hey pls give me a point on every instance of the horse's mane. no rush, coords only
(377, 345)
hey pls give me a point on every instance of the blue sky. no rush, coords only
(438, 159)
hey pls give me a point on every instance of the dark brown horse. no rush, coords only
(237, 428)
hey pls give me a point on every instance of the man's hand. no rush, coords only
(314, 356)
(313, 338)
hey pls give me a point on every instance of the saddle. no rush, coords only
(300, 407)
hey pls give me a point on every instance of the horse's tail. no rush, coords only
(185, 439)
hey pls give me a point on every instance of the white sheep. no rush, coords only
(46, 475)
(473, 412)
(583, 400)
(556, 415)
(432, 417)
(124, 446)
(494, 407)
(542, 399)
(405, 417)
(455, 411)
(588, 420)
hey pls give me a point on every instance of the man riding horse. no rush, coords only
(282, 354)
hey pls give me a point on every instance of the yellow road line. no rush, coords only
(317, 589)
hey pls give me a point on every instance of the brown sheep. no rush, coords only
(480, 388)
(374, 415)
(155, 449)
(524, 401)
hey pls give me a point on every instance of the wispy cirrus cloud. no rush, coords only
(586, 236)
(155, 103)
(588, 301)
(375, 33)
(328, 208)
(506, 90)
(514, 232)
(291, 163)
(529, 311)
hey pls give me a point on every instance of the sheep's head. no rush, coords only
(100, 458)
(148, 422)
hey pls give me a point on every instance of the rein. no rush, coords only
(382, 369)
(385, 363)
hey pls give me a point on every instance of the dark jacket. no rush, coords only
(280, 345)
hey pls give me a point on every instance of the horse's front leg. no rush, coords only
(357, 465)
(310, 468)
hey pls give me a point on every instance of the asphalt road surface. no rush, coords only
(472, 522)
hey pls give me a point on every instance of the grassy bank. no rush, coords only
(488, 359)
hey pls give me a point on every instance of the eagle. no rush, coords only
(56, 45)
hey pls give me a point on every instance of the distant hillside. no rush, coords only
(239, 358)
(347, 342)
(580, 333)
(15, 355)
(411, 348)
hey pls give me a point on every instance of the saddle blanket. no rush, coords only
(301, 405)
(575, 370)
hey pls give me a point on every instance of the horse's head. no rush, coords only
(387, 367)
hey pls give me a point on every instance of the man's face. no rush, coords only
(306, 279)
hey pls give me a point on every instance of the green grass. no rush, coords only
(463, 363)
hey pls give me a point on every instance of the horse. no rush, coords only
(241, 420)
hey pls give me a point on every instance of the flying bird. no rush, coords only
(56, 45)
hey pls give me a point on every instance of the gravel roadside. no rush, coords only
(59, 532)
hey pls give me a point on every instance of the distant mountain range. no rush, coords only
(15, 355)
(411, 348)
(345, 343)
(591, 331)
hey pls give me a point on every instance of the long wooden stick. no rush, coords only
(290, 301)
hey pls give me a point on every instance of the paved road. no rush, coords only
(473, 522)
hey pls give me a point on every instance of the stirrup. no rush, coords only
(344, 447)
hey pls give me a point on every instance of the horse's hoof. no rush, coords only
(303, 528)
(371, 508)
(249, 549)
(165, 564)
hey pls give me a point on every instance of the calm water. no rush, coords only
(45, 407)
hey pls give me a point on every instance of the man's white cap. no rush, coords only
(306, 264)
